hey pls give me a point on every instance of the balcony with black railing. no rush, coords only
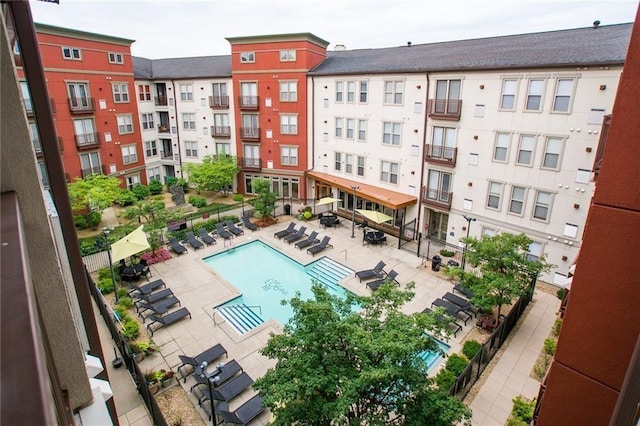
(160, 100)
(81, 105)
(250, 133)
(436, 198)
(221, 131)
(248, 102)
(219, 102)
(441, 155)
(88, 140)
(250, 163)
(94, 170)
(445, 109)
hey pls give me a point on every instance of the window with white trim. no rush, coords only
(188, 120)
(339, 91)
(534, 95)
(338, 161)
(147, 121)
(339, 127)
(246, 57)
(72, 53)
(129, 154)
(289, 155)
(361, 166)
(186, 92)
(534, 252)
(351, 91)
(191, 149)
(508, 96)
(516, 203)
(151, 148)
(288, 55)
(364, 91)
(348, 164)
(125, 124)
(393, 92)
(495, 193)
(439, 186)
(116, 58)
(389, 172)
(144, 92)
(289, 124)
(362, 130)
(132, 181)
(350, 128)
(153, 173)
(288, 91)
(223, 148)
(501, 148)
(390, 133)
(443, 143)
(552, 152)
(563, 94)
(542, 206)
(526, 150)
(120, 92)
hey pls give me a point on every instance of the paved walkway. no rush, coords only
(510, 376)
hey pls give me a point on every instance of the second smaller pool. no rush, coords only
(433, 358)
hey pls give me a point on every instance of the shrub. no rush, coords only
(171, 180)
(126, 198)
(155, 187)
(131, 328)
(557, 325)
(123, 292)
(121, 311)
(80, 222)
(456, 364)
(238, 197)
(515, 422)
(560, 294)
(550, 346)
(471, 348)
(182, 182)
(105, 285)
(141, 192)
(104, 273)
(447, 253)
(307, 215)
(541, 366)
(93, 219)
(445, 379)
(197, 201)
(523, 409)
(126, 301)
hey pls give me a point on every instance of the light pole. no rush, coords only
(212, 381)
(353, 216)
(469, 219)
(105, 233)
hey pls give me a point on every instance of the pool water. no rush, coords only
(433, 358)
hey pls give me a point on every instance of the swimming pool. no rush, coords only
(264, 277)
(433, 358)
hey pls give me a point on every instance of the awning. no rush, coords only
(393, 200)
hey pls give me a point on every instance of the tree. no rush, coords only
(94, 192)
(214, 174)
(265, 201)
(506, 271)
(155, 216)
(335, 366)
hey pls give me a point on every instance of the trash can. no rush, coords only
(287, 209)
(435, 263)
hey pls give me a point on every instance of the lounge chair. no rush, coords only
(176, 246)
(168, 319)
(207, 356)
(450, 321)
(243, 414)
(296, 235)
(463, 290)
(376, 272)
(233, 228)
(248, 224)
(391, 276)
(453, 310)
(154, 296)
(311, 240)
(223, 232)
(283, 233)
(205, 237)
(232, 388)
(319, 247)
(193, 241)
(147, 288)
(463, 303)
(161, 307)
(224, 373)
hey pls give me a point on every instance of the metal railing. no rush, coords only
(81, 105)
(219, 101)
(221, 131)
(441, 154)
(446, 109)
(248, 102)
(436, 198)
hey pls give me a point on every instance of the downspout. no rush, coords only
(426, 114)
(313, 130)
(175, 107)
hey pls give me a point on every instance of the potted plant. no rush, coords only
(153, 381)
(167, 376)
(138, 352)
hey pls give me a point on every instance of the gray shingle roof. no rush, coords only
(182, 68)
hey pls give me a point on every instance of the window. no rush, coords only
(125, 124)
(144, 92)
(186, 92)
(348, 164)
(250, 127)
(350, 127)
(339, 91)
(132, 181)
(71, 53)
(562, 99)
(188, 120)
(246, 57)
(393, 91)
(251, 155)
(85, 131)
(338, 161)
(443, 143)
(150, 148)
(248, 94)
(542, 206)
(447, 97)
(495, 192)
(287, 55)
(351, 91)
(534, 95)
(364, 85)
(129, 154)
(362, 130)
(120, 92)
(501, 149)
(223, 148)
(288, 91)
(191, 149)
(147, 121)
(26, 97)
(288, 124)
(552, 150)
(389, 172)
(153, 174)
(525, 150)
(116, 58)
(90, 163)
(508, 100)
(534, 252)
(79, 96)
(339, 125)
(289, 155)
(439, 186)
(361, 164)
(391, 133)
(516, 203)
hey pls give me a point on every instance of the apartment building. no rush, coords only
(91, 86)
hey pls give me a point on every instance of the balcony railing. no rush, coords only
(28, 106)
(221, 131)
(163, 128)
(250, 163)
(219, 102)
(87, 140)
(434, 197)
(441, 154)
(94, 170)
(248, 102)
(81, 105)
(250, 133)
(166, 155)
(160, 100)
(445, 109)
(37, 145)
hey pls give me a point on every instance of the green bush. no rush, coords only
(447, 253)
(155, 187)
(560, 293)
(131, 329)
(93, 219)
(126, 198)
(557, 325)
(123, 292)
(172, 180)
(126, 301)
(105, 285)
(515, 422)
(238, 197)
(141, 192)
(523, 409)
(197, 201)
(445, 379)
(456, 364)
(541, 366)
(307, 215)
(550, 346)
(80, 222)
(471, 348)
(121, 311)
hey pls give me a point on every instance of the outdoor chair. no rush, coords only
(193, 241)
(376, 272)
(243, 414)
(391, 277)
(464, 304)
(463, 290)
(161, 307)
(176, 246)
(296, 236)
(311, 240)
(283, 233)
(232, 388)
(453, 310)
(248, 224)
(143, 267)
(324, 244)
(205, 237)
(168, 319)
(450, 321)
(207, 356)
(233, 228)
(223, 374)
(223, 232)
(145, 289)
(154, 296)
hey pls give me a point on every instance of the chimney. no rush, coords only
(339, 48)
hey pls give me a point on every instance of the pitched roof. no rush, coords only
(182, 68)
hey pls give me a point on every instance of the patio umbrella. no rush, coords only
(130, 244)
(375, 216)
(327, 200)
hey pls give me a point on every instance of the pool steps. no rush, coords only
(328, 272)
(241, 317)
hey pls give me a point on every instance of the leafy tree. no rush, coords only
(94, 192)
(214, 174)
(155, 217)
(265, 201)
(338, 367)
(506, 272)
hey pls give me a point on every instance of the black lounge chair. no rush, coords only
(446, 319)
(207, 356)
(453, 310)
(233, 228)
(283, 233)
(319, 247)
(296, 235)
(463, 303)
(376, 272)
(193, 241)
(154, 296)
(232, 388)
(248, 224)
(223, 374)
(161, 307)
(168, 319)
(176, 246)
(391, 276)
(223, 232)
(243, 414)
(463, 290)
(205, 237)
(137, 291)
(311, 240)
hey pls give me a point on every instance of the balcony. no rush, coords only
(28, 106)
(87, 141)
(163, 128)
(250, 163)
(445, 109)
(441, 154)
(160, 100)
(250, 133)
(81, 105)
(221, 131)
(94, 170)
(436, 198)
(37, 145)
(219, 102)
(248, 102)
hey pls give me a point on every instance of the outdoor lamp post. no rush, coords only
(105, 233)
(212, 381)
(353, 215)
(469, 219)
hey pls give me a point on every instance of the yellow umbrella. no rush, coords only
(375, 216)
(130, 244)
(327, 200)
